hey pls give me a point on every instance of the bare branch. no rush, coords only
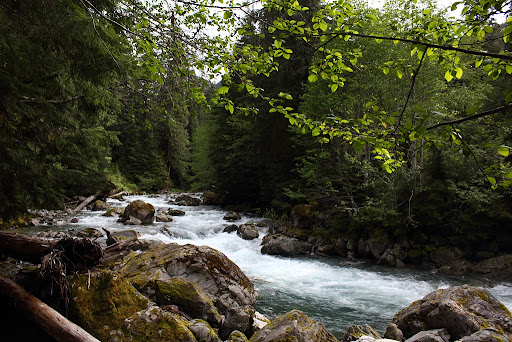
(472, 117)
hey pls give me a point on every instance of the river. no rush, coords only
(330, 290)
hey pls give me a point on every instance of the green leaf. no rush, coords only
(312, 78)
(223, 90)
(316, 131)
(323, 26)
(228, 14)
(508, 68)
(504, 151)
(448, 75)
(459, 72)
(491, 180)
(334, 87)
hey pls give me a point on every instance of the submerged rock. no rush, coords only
(248, 231)
(294, 326)
(232, 216)
(187, 200)
(164, 218)
(154, 324)
(231, 228)
(138, 210)
(89, 233)
(468, 313)
(278, 244)
(175, 212)
(101, 301)
(100, 205)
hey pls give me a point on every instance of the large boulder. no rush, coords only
(188, 296)
(232, 216)
(248, 231)
(187, 200)
(139, 210)
(468, 313)
(101, 301)
(222, 280)
(154, 324)
(278, 244)
(294, 326)
(498, 267)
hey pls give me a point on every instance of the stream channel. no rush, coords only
(330, 290)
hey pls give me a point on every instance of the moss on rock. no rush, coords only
(100, 302)
(152, 325)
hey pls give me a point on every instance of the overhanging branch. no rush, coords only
(472, 117)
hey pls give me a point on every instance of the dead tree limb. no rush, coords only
(25, 247)
(86, 202)
(49, 320)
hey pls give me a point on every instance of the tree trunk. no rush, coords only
(25, 247)
(84, 203)
(49, 320)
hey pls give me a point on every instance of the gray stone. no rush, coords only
(232, 216)
(89, 233)
(294, 326)
(436, 335)
(248, 232)
(278, 244)
(203, 331)
(392, 332)
(138, 211)
(355, 332)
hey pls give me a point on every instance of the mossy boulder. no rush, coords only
(100, 205)
(121, 236)
(202, 331)
(113, 212)
(90, 233)
(187, 200)
(139, 210)
(186, 295)
(154, 325)
(468, 313)
(218, 277)
(355, 332)
(294, 326)
(237, 336)
(101, 301)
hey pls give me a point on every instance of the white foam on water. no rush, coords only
(326, 289)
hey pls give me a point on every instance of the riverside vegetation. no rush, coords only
(379, 133)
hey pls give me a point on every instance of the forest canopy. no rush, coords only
(366, 110)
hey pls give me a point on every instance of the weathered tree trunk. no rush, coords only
(122, 248)
(49, 320)
(84, 203)
(25, 247)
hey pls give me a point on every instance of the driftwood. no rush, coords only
(49, 320)
(24, 247)
(122, 248)
(86, 202)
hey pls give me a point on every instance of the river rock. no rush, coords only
(188, 296)
(101, 301)
(216, 275)
(393, 333)
(303, 216)
(175, 212)
(466, 312)
(436, 335)
(138, 210)
(113, 212)
(294, 326)
(154, 324)
(237, 318)
(100, 205)
(231, 228)
(498, 268)
(232, 216)
(164, 218)
(203, 331)
(248, 231)
(187, 200)
(237, 336)
(89, 233)
(278, 244)
(355, 332)
(121, 235)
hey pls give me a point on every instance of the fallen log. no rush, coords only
(122, 248)
(24, 247)
(49, 320)
(86, 202)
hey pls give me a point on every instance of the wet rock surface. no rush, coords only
(138, 212)
(278, 244)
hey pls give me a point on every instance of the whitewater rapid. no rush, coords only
(330, 290)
